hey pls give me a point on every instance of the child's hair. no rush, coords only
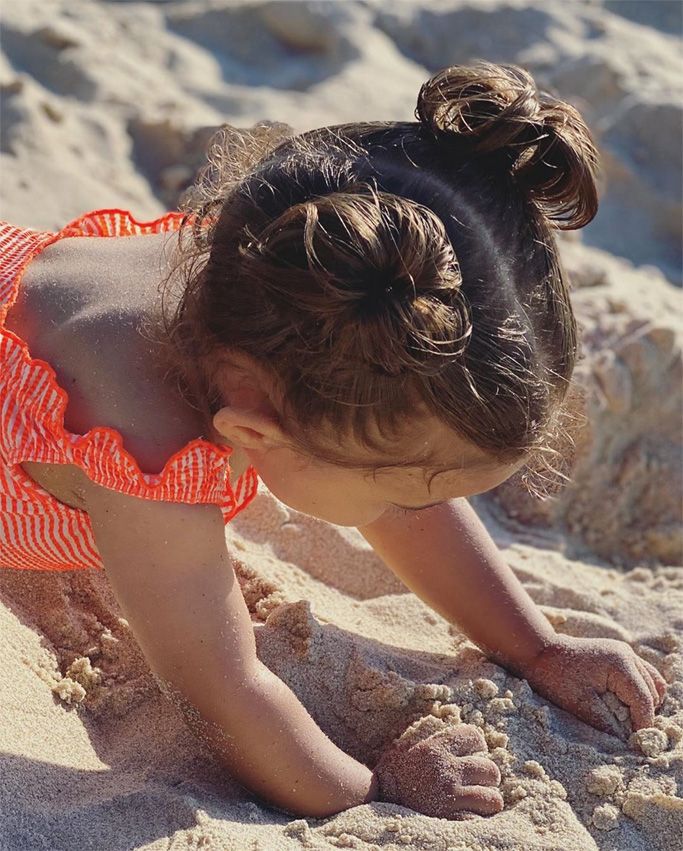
(384, 271)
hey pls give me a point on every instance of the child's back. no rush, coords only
(79, 308)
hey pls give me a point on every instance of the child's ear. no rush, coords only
(249, 428)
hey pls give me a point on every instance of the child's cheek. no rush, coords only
(317, 489)
(311, 495)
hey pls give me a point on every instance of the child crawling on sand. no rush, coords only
(373, 319)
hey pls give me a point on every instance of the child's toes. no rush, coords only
(483, 800)
(478, 771)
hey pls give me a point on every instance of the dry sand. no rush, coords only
(103, 105)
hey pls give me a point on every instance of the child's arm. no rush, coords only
(173, 578)
(445, 555)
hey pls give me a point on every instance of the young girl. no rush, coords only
(373, 319)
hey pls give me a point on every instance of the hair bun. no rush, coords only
(497, 110)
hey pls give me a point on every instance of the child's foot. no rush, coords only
(447, 775)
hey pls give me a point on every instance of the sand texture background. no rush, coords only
(106, 105)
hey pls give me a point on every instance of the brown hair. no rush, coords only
(382, 271)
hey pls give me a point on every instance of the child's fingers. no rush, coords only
(649, 682)
(629, 686)
(479, 771)
(657, 678)
(478, 799)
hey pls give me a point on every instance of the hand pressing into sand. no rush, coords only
(574, 673)
(444, 775)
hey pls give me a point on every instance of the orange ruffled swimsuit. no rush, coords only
(38, 531)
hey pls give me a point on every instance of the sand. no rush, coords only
(107, 104)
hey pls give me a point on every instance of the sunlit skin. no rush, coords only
(348, 497)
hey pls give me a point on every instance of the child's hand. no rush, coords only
(575, 672)
(443, 775)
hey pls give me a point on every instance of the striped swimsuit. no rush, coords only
(38, 531)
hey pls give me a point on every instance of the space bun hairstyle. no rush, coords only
(497, 109)
(379, 275)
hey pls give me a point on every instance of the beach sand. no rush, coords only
(102, 106)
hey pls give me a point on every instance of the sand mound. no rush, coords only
(625, 495)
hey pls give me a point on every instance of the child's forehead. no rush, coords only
(421, 475)
(429, 443)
